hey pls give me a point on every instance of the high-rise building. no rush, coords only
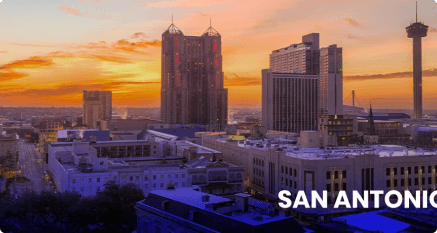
(289, 101)
(192, 79)
(417, 30)
(307, 58)
(331, 81)
(97, 105)
(297, 58)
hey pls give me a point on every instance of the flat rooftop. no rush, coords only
(316, 153)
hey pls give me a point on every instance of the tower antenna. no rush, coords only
(416, 11)
(171, 18)
(209, 21)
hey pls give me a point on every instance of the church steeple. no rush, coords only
(372, 130)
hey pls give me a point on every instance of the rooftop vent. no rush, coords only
(205, 198)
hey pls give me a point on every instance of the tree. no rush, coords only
(9, 161)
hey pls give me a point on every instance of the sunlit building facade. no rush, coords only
(192, 79)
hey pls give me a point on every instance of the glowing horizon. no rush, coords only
(52, 51)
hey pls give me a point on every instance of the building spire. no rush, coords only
(210, 22)
(416, 11)
(171, 18)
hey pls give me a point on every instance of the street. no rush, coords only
(32, 165)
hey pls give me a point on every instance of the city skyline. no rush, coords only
(62, 57)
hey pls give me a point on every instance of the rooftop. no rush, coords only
(316, 153)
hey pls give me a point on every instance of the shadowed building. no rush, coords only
(417, 30)
(97, 105)
(192, 79)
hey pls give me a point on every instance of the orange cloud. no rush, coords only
(352, 22)
(240, 81)
(407, 74)
(70, 10)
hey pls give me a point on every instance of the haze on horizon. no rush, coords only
(50, 51)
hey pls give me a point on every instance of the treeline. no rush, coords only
(111, 210)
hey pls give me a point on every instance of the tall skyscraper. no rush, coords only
(297, 58)
(97, 105)
(331, 81)
(417, 30)
(192, 79)
(307, 58)
(289, 101)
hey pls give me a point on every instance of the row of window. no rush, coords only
(169, 176)
(90, 180)
(416, 182)
(258, 162)
(161, 185)
(293, 172)
(90, 189)
(289, 184)
(336, 173)
(336, 187)
(416, 170)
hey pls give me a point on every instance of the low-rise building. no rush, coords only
(185, 210)
(218, 178)
(272, 166)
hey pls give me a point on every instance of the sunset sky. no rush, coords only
(51, 50)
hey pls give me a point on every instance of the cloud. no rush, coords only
(407, 74)
(432, 30)
(30, 63)
(70, 10)
(240, 81)
(351, 37)
(187, 3)
(77, 12)
(352, 22)
(138, 35)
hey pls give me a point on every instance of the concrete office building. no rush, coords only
(331, 81)
(274, 165)
(289, 101)
(192, 79)
(186, 210)
(297, 58)
(97, 105)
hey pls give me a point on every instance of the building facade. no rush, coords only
(192, 79)
(289, 101)
(331, 81)
(186, 210)
(97, 105)
(277, 166)
(297, 58)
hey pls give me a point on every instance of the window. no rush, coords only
(262, 163)
(336, 175)
(328, 187)
(423, 169)
(154, 177)
(388, 183)
(154, 185)
(409, 170)
(416, 170)
(176, 175)
(106, 179)
(409, 182)
(387, 171)
(395, 183)
(416, 181)
(98, 179)
(74, 189)
(429, 180)
(162, 176)
(402, 170)
(336, 187)
(402, 182)
(146, 186)
(295, 173)
(162, 185)
(74, 181)
(82, 189)
(295, 185)
(344, 173)
(344, 186)
(328, 175)
(286, 170)
(90, 180)
(183, 184)
(183, 176)
(429, 169)
(131, 178)
(395, 171)
(82, 180)
(282, 170)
